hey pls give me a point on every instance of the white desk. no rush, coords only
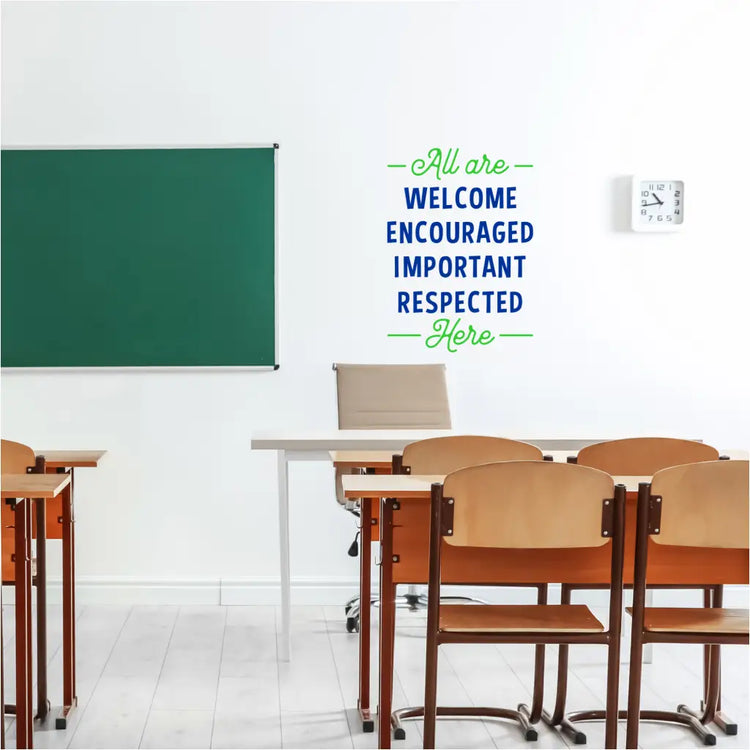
(316, 446)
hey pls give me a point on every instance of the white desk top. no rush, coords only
(341, 440)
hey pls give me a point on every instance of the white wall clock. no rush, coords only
(658, 205)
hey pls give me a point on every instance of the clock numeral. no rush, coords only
(650, 217)
(676, 202)
(644, 193)
(669, 218)
(677, 212)
(660, 187)
(643, 202)
(659, 217)
(651, 186)
(677, 193)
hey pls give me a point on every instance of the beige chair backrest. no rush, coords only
(703, 505)
(644, 456)
(16, 457)
(375, 397)
(528, 504)
(446, 454)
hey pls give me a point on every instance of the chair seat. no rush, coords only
(694, 620)
(519, 618)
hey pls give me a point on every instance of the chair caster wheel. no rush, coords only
(531, 735)
(352, 624)
(399, 734)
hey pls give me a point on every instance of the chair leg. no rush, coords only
(537, 702)
(613, 690)
(430, 690)
(558, 718)
(634, 690)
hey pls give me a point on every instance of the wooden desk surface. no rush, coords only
(382, 459)
(404, 486)
(33, 485)
(75, 459)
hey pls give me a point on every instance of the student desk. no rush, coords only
(60, 524)
(404, 557)
(315, 446)
(22, 489)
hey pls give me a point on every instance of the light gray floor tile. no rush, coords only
(178, 729)
(237, 731)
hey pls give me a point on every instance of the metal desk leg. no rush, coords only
(365, 575)
(24, 700)
(387, 621)
(42, 702)
(285, 642)
(2, 678)
(69, 607)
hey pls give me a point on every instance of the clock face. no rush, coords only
(660, 204)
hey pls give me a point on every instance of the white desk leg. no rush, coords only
(285, 642)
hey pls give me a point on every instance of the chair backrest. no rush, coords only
(16, 457)
(643, 456)
(443, 455)
(392, 397)
(528, 504)
(703, 505)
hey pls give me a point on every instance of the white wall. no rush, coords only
(634, 333)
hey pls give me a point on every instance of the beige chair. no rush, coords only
(696, 506)
(387, 397)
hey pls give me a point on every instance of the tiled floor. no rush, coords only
(183, 677)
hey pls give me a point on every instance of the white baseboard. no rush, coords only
(317, 591)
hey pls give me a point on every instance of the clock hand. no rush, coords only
(657, 198)
(651, 204)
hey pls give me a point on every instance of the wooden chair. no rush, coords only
(15, 458)
(444, 455)
(701, 506)
(552, 509)
(632, 457)
(643, 456)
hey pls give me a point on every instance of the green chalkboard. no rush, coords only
(138, 257)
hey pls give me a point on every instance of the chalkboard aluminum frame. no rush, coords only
(178, 368)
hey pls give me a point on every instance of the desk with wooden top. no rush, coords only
(21, 490)
(60, 524)
(404, 557)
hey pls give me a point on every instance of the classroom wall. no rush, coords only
(634, 333)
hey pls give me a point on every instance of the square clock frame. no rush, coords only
(657, 205)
